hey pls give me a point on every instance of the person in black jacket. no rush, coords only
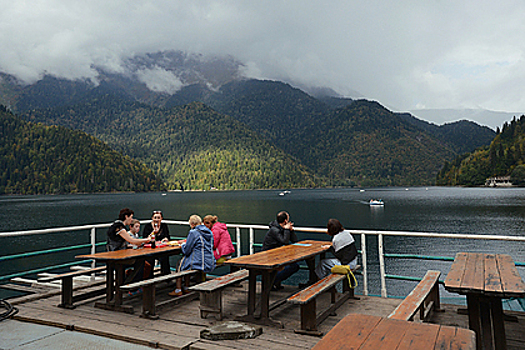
(162, 234)
(281, 233)
(118, 239)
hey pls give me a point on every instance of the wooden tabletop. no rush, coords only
(357, 331)
(275, 258)
(126, 254)
(486, 274)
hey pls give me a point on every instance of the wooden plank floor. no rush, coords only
(179, 326)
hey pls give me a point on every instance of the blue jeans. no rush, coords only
(285, 273)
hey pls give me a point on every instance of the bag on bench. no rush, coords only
(345, 270)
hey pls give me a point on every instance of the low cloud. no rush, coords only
(404, 54)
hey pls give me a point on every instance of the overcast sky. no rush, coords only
(405, 54)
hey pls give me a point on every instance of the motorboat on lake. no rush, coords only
(377, 202)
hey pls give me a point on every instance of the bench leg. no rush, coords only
(148, 302)
(211, 303)
(67, 293)
(308, 316)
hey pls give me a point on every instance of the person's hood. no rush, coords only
(220, 226)
(274, 223)
(204, 231)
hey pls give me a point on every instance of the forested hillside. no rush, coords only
(38, 159)
(190, 147)
(504, 157)
(266, 134)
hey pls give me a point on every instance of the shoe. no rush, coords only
(185, 291)
(135, 292)
(277, 287)
(175, 293)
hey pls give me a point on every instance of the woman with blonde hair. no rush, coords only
(197, 252)
(222, 242)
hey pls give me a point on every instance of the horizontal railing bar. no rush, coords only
(42, 252)
(440, 235)
(408, 278)
(422, 257)
(429, 257)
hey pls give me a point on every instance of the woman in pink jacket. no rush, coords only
(222, 242)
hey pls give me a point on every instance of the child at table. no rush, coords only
(343, 247)
(118, 239)
(134, 228)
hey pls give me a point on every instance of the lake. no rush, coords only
(494, 211)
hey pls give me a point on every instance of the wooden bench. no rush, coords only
(423, 298)
(210, 292)
(66, 289)
(148, 291)
(307, 299)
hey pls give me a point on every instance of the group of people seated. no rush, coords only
(209, 244)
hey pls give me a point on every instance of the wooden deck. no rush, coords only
(179, 325)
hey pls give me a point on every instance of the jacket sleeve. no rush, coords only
(281, 236)
(187, 247)
(164, 232)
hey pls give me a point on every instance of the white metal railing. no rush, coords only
(251, 232)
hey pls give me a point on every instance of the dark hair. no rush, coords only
(334, 227)
(157, 212)
(282, 217)
(125, 212)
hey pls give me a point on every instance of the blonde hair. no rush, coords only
(210, 219)
(134, 221)
(195, 220)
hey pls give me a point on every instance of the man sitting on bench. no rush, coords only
(197, 252)
(343, 247)
(281, 233)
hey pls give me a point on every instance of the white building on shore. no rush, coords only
(498, 181)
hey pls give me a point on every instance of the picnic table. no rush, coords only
(267, 263)
(116, 261)
(485, 279)
(357, 331)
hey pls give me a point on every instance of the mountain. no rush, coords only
(492, 119)
(298, 123)
(462, 136)
(38, 159)
(505, 156)
(190, 147)
(328, 139)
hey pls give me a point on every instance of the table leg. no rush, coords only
(486, 319)
(312, 278)
(496, 308)
(267, 282)
(110, 282)
(252, 291)
(119, 280)
(474, 318)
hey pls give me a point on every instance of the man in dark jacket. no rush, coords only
(281, 233)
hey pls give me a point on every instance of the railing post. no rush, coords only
(238, 240)
(93, 248)
(251, 240)
(363, 258)
(381, 265)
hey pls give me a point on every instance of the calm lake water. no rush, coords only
(432, 209)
